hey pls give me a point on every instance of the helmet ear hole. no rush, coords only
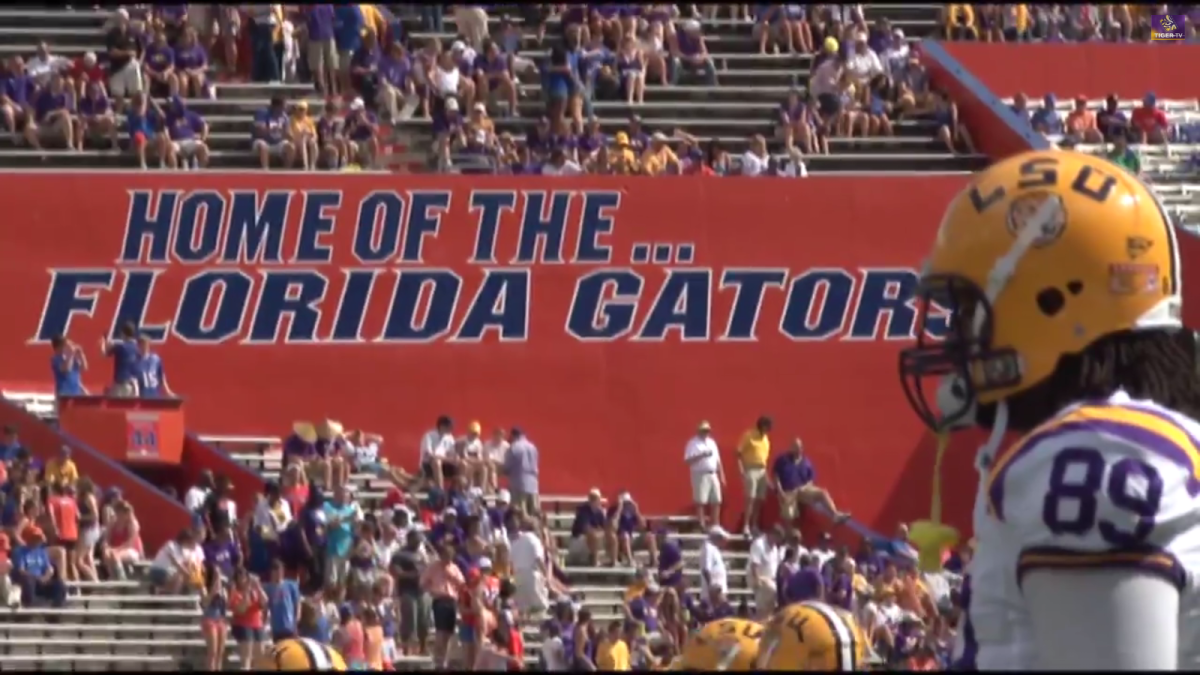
(1051, 301)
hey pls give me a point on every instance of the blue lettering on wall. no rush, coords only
(604, 305)
(423, 304)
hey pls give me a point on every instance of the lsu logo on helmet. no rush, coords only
(812, 636)
(300, 654)
(726, 644)
(1039, 257)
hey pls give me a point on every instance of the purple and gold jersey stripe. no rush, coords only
(1150, 560)
(1153, 431)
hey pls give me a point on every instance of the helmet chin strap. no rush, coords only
(950, 396)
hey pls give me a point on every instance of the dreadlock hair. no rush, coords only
(1158, 365)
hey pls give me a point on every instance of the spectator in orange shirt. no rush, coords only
(247, 600)
(1149, 122)
(1081, 123)
(64, 516)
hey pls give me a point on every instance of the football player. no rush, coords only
(300, 654)
(724, 644)
(1054, 287)
(812, 636)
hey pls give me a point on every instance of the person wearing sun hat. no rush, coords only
(703, 458)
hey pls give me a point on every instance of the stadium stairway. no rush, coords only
(751, 87)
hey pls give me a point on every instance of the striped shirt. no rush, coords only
(702, 455)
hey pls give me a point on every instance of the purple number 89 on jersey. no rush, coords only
(1076, 483)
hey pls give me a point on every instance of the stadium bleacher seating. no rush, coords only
(1171, 170)
(751, 87)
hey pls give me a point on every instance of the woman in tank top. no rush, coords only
(89, 529)
(122, 540)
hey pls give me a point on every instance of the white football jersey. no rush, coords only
(994, 633)
(1103, 484)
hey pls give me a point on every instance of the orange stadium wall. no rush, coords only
(996, 131)
(605, 316)
(1093, 69)
(161, 518)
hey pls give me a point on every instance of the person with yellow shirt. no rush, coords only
(659, 158)
(753, 451)
(373, 21)
(888, 582)
(621, 160)
(959, 22)
(612, 653)
(303, 134)
(61, 470)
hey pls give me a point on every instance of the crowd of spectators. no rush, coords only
(57, 527)
(1059, 22)
(370, 71)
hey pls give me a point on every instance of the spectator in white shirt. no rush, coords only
(755, 159)
(895, 57)
(863, 63)
(528, 557)
(560, 165)
(708, 474)
(179, 562)
(470, 453)
(713, 571)
(494, 451)
(764, 566)
(43, 64)
(438, 463)
(196, 495)
(823, 551)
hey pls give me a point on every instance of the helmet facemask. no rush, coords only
(964, 363)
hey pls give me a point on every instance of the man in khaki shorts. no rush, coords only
(753, 452)
(793, 477)
(708, 475)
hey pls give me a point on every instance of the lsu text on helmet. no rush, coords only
(725, 644)
(1039, 257)
(812, 636)
(300, 654)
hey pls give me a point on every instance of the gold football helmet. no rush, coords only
(725, 644)
(812, 636)
(1042, 255)
(300, 654)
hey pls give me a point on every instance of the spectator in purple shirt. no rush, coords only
(191, 65)
(806, 583)
(364, 68)
(361, 130)
(53, 115)
(96, 118)
(792, 475)
(627, 528)
(188, 136)
(159, 64)
(174, 19)
(644, 608)
(395, 85)
(714, 606)
(690, 53)
(788, 565)
(494, 75)
(16, 90)
(670, 562)
(331, 137)
(840, 592)
(322, 50)
(588, 530)
(270, 135)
